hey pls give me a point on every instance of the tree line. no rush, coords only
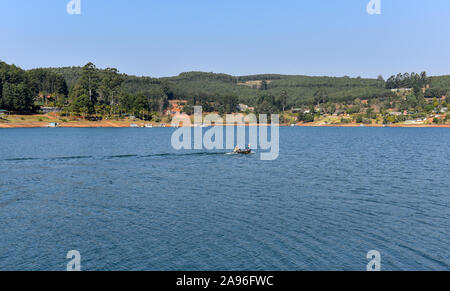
(408, 80)
(100, 91)
(89, 90)
(92, 91)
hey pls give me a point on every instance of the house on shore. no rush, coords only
(245, 107)
(402, 90)
(47, 110)
(242, 107)
(175, 107)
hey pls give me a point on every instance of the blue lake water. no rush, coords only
(127, 201)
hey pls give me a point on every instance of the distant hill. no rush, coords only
(70, 74)
(441, 82)
(299, 89)
(88, 91)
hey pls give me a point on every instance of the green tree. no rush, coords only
(321, 96)
(109, 87)
(83, 105)
(88, 83)
(411, 101)
(359, 119)
(264, 85)
(370, 113)
(429, 108)
(189, 110)
(380, 81)
(17, 97)
(267, 104)
(306, 117)
(45, 82)
(283, 99)
(166, 86)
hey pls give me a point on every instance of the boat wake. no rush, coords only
(124, 156)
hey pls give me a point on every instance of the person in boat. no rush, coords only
(248, 149)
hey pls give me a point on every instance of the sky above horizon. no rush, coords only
(238, 37)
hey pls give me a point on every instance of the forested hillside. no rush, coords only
(89, 90)
(210, 87)
(441, 82)
(19, 89)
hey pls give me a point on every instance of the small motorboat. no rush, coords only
(243, 152)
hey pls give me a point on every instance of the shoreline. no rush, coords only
(46, 120)
(126, 124)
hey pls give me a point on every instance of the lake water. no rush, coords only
(127, 201)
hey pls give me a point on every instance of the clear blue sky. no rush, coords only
(239, 37)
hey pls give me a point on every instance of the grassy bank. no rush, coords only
(36, 121)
